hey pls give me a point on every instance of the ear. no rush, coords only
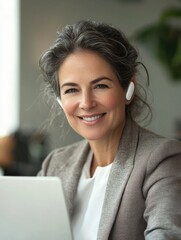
(59, 102)
(130, 91)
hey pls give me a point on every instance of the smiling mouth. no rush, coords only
(92, 118)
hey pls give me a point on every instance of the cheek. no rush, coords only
(69, 107)
(114, 101)
(111, 103)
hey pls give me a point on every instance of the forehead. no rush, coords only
(84, 64)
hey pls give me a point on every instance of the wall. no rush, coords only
(40, 20)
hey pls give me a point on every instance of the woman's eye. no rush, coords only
(101, 86)
(71, 90)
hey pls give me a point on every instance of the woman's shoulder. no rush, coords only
(157, 148)
(69, 149)
(60, 157)
(152, 139)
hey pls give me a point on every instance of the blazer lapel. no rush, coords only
(119, 175)
(71, 171)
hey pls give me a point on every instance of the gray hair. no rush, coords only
(111, 45)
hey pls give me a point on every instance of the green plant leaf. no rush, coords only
(170, 13)
(163, 39)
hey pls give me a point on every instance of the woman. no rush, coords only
(122, 181)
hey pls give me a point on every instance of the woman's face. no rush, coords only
(92, 97)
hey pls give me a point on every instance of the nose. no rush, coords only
(87, 101)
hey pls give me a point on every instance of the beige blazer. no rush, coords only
(143, 195)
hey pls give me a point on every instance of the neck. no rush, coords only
(102, 159)
(104, 151)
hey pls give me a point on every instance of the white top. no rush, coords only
(89, 201)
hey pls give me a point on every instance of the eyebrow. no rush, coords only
(92, 82)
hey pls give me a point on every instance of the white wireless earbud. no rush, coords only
(130, 91)
(59, 102)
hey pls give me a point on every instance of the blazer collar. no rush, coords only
(119, 175)
(118, 178)
(71, 170)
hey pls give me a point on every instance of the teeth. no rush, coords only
(89, 119)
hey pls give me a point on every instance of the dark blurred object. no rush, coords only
(22, 153)
(163, 39)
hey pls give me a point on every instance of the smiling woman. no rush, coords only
(92, 97)
(122, 57)
(92, 70)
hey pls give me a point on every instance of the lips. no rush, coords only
(92, 118)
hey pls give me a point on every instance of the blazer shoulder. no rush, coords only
(154, 141)
(69, 149)
(61, 157)
(158, 150)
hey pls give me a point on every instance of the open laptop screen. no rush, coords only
(33, 208)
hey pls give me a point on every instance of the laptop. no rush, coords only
(33, 208)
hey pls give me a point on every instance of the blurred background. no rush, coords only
(28, 28)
